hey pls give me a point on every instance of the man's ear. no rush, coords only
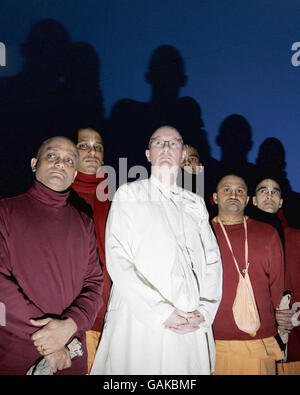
(215, 198)
(280, 203)
(75, 174)
(33, 164)
(183, 155)
(254, 201)
(147, 153)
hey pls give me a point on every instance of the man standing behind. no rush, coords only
(166, 270)
(90, 147)
(191, 175)
(267, 202)
(239, 352)
(50, 274)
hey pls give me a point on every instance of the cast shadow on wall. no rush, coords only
(132, 122)
(271, 163)
(56, 91)
(235, 141)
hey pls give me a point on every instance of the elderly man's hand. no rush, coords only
(59, 360)
(196, 319)
(54, 334)
(181, 322)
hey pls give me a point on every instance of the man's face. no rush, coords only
(90, 147)
(165, 148)
(268, 196)
(56, 165)
(231, 196)
(191, 160)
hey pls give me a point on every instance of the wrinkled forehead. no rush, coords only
(232, 181)
(268, 183)
(59, 144)
(166, 132)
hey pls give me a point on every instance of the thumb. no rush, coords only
(40, 322)
(183, 314)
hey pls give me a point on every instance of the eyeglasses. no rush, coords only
(266, 191)
(172, 144)
(87, 147)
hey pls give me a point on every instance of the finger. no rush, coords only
(38, 336)
(40, 350)
(43, 350)
(181, 331)
(52, 365)
(183, 314)
(40, 322)
(184, 329)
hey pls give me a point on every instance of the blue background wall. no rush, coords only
(237, 56)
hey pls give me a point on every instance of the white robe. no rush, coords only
(161, 254)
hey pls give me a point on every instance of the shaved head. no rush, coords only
(52, 139)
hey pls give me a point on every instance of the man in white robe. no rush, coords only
(166, 269)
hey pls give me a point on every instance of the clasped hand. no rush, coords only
(51, 341)
(181, 322)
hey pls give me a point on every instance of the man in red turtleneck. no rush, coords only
(50, 274)
(90, 146)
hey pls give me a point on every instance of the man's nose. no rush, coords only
(233, 192)
(92, 150)
(59, 163)
(269, 195)
(166, 145)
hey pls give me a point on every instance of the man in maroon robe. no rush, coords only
(267, 204)
(50, 274)
(86, 185)
(257, 250)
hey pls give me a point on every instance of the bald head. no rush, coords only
(53, 139)
(165, 130)
(55, 165)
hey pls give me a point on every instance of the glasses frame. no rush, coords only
(178, 140)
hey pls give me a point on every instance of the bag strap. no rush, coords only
(230, 247)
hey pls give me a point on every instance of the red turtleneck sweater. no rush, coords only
(48, 265)
(85, 185)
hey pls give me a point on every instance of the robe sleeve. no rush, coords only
(18, 308)
(144, 300)
(211, 282)
(276, 269)
(87, 304)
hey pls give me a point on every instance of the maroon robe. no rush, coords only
(266, 272)
(48, 265)
(292, 283)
